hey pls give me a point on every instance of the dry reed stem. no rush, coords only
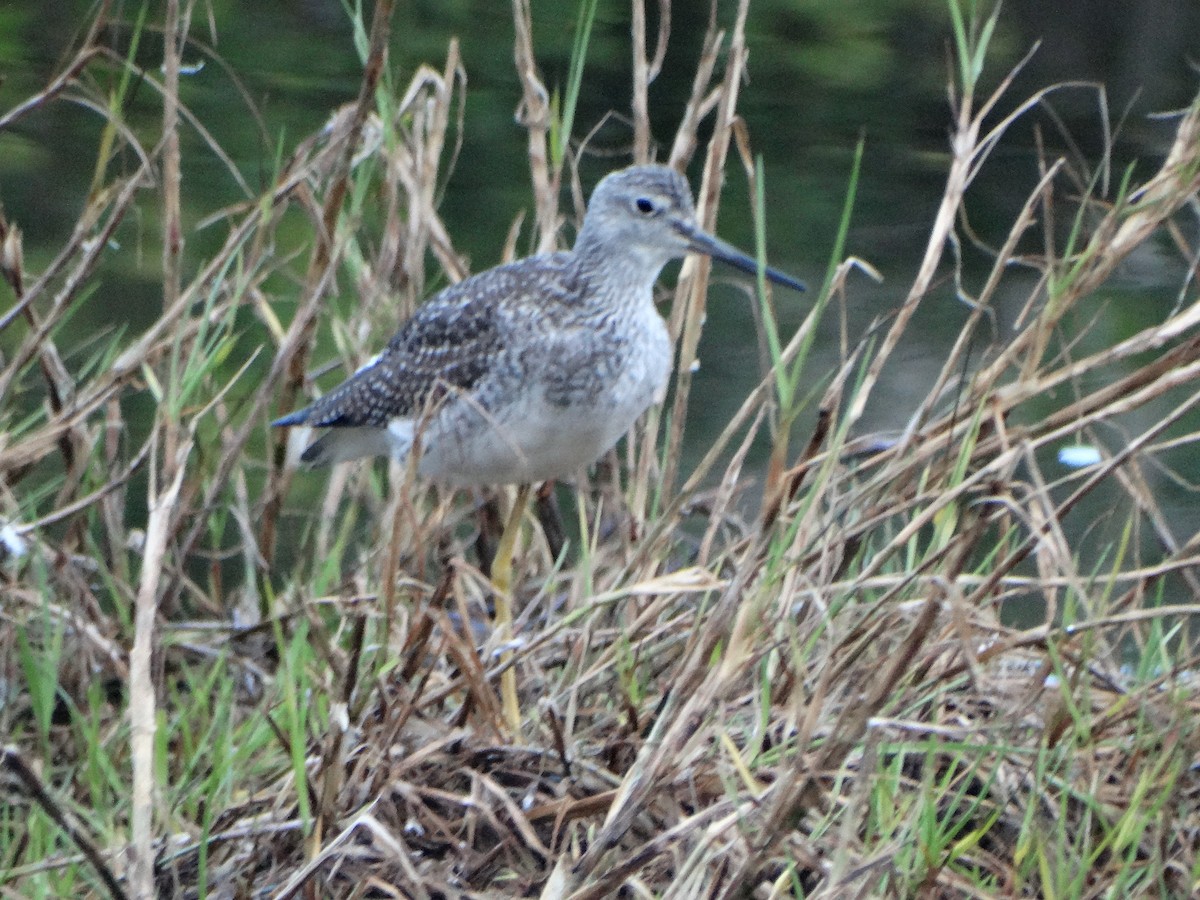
(645, 71)
(174, 449)
(682, 150)
(142, 704)
(702, 100)
(692, 291)
(963, 145)
(534, 115)
(324, 255)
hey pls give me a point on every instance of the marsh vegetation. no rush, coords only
(219, 677)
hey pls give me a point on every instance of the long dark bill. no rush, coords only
(702, 242)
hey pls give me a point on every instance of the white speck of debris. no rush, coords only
(14, 544)
(1078, 456)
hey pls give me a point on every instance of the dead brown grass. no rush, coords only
(817, 700)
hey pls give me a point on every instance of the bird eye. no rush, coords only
(645, 206)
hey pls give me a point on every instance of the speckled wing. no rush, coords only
(433, 354)
(449, 344)
(446, 346)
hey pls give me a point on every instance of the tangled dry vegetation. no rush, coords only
(219, 679)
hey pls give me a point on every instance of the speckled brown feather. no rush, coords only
(448, 345)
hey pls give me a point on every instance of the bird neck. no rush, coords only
(624, 268)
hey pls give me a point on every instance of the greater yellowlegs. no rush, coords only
(531, 370)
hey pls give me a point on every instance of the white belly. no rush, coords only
(536, 438)
(544, 443)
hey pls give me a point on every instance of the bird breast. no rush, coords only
(580, 392)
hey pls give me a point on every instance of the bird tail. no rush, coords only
(322, 452)
(344, 444)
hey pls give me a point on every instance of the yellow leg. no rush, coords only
(502, 582)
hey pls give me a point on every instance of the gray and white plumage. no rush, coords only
(529, 371)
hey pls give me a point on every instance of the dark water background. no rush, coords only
(822, 75)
